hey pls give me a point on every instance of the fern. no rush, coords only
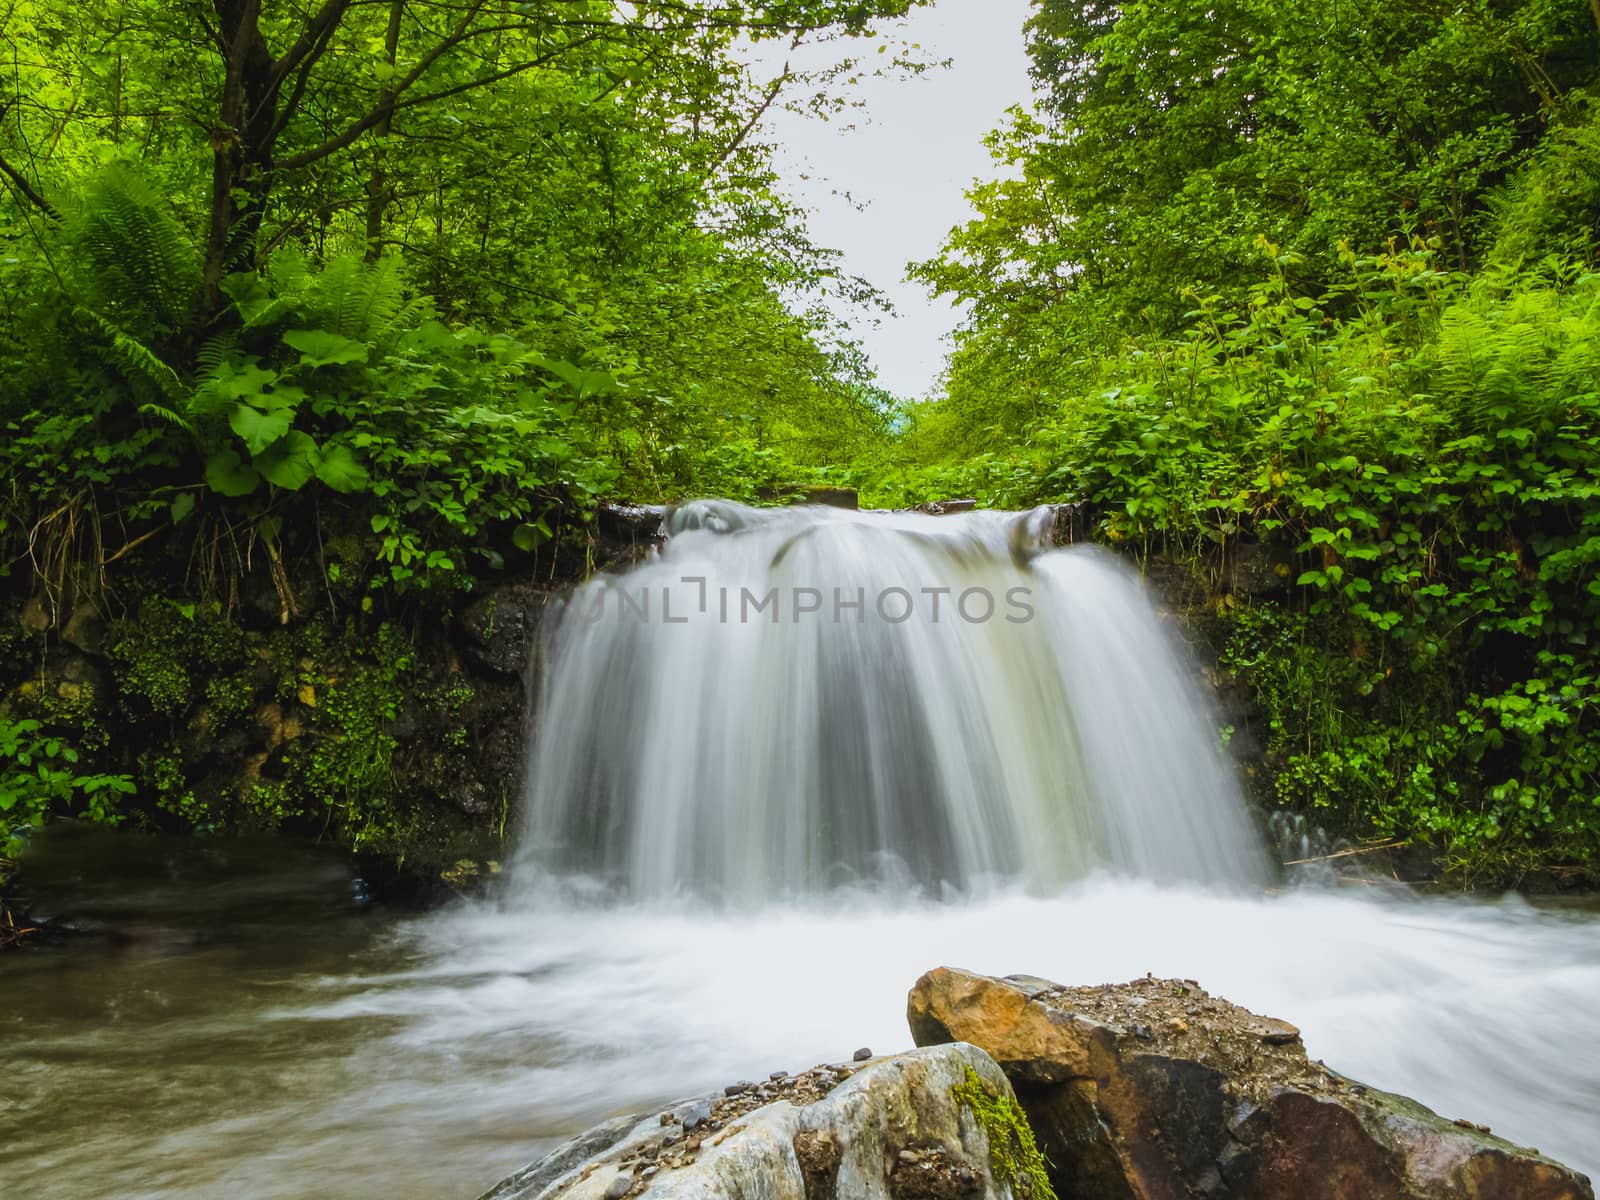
(362, 301)
(130, 256)
(137, 362)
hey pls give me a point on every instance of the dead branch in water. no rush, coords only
(1300, 862)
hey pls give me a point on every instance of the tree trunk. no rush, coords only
(241, 146)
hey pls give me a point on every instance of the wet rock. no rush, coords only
(1068, 524)
(1154, 1089)
(497, 630)
(64, 676)
(1257, 570)
(36, 615)
(85, 630)
(944, 508)
(862, 1054)
(893, 1130)
(471, 796)
(631, 525)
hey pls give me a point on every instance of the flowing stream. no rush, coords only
(745, 840)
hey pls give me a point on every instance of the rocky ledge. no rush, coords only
(935, 1124)
(1150, 1090)
(1153, 1090)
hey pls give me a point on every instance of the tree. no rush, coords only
(1173, 136)
(292, 98)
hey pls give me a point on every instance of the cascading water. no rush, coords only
(788, 699)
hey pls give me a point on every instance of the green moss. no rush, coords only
(230, 698)
(1014, 1157)
(350, 767)
(159, 654)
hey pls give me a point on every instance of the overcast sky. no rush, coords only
(911, 155)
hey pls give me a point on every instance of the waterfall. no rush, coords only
(788, 700)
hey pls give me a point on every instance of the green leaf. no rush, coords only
(338, 467)
(228, 475)
(289, 462)
(182, 506)
(259, 429)
(320, 348)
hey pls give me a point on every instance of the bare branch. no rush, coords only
(28, 191)
(776, 87)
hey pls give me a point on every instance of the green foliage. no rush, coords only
(350, 768)
(173, 651)
(40, 775)
(1171, 136)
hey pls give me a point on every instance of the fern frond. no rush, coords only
(358, 300)
(214, 351)
(132, 357)
(163, 413)
(131, 257)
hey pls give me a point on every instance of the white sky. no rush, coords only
(911, 154)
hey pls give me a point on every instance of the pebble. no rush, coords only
(862, 1054)
(1277, 1033)
(698, 1115)
(620, 1187)
(738, 1089)
(777, 1075)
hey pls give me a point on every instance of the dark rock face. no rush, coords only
(498, 630)
(631, 526)
(1154, 1090)
(831, 497)
(268, 708)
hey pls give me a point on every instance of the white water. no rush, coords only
(933, 701)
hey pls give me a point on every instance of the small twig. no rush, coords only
(1345, 853)
(133, 545)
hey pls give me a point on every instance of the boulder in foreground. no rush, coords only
(1154, 1090)
(935, 1124)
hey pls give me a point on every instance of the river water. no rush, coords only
(744, 842)
(251, 1034)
